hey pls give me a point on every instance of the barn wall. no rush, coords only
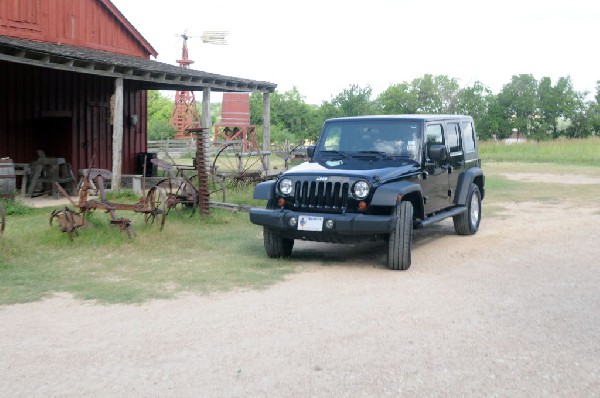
(83, 23)
(67, 115)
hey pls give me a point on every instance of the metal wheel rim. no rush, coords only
(475, 210)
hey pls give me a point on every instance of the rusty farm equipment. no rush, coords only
(228, 170)
(152, 205)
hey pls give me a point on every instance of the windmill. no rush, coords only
(185, 113)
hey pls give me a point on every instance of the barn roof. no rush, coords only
(145, 73)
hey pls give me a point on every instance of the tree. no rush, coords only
(354, 101)
(518, 99)
(586, 116)
(291, 118)
(435, 94)
(398, 99)
(479, 102)
(159, 115)
(556, 102)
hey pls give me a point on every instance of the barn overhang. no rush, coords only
(146, 74)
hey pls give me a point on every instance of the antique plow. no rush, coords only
(152, 206)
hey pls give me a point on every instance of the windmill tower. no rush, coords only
(185, 113)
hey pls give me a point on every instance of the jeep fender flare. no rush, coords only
(465, 179)
(265, 190)
(387, 195)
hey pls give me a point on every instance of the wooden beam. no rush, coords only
(266, 128)
(117, 119)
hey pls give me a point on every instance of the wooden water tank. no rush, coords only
(235, 109)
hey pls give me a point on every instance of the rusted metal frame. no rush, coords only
(69, 218)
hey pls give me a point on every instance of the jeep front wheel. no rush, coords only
(467, 223)
(400, 240)
(275, 245)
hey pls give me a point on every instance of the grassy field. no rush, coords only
(585, 152)
(224, 250)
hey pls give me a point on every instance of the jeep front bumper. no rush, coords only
(347, 224)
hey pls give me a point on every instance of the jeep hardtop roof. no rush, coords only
(423, 118)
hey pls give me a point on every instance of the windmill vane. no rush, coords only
(185, 114)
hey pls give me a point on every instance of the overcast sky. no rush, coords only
(323, 47)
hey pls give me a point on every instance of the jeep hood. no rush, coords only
(378, 174)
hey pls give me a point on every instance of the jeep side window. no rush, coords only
(453, 136)
(468, 136)
(434, 136)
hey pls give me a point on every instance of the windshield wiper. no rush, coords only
(370, 154)
(342, 154)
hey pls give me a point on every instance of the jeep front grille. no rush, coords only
(321, 195)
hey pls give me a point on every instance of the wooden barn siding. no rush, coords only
(83, 23)
(134, 138)
(67, 115)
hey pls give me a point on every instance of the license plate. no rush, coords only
(310, 223)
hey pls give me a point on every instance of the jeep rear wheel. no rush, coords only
(275, 245)
(400, 240)
(467, 223)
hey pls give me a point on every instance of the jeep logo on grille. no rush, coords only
(321, 178)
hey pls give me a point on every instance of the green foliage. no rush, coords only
(290, 117)
(398, 99)
(123, 194)
(354, 101)
(14, 207)
(159, 116)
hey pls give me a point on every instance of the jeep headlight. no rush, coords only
(361, 189)
(286, 186)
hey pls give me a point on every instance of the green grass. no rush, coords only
(199, 255)
(583, 152)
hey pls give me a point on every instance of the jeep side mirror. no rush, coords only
(310, 151)
(438, 152)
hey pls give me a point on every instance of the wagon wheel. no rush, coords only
(156, 201)
(234, 168)
(2, 218)
(216, 186)
(181, 194)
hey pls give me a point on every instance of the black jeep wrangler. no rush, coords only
(376, 177)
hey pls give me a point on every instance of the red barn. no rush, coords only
(73, 81)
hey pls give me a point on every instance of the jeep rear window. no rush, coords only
(388, 138)
(468, 136)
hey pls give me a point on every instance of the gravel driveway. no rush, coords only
(512, 311)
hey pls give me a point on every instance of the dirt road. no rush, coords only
(513, 311)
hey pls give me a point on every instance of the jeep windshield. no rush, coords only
(373, 141)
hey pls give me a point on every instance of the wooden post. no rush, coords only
(117, 122)
(266, 129)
